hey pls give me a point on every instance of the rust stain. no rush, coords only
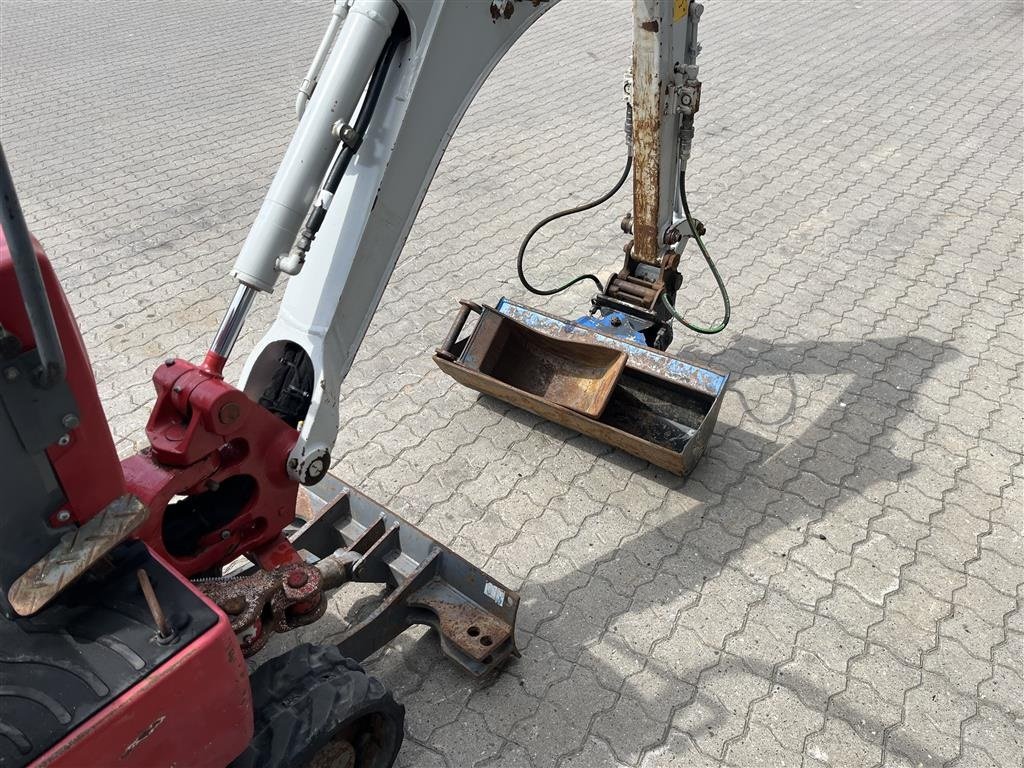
(646, 100)
(304, 506)
(145, 734)
(475, 631)
(573, 374)
(646, 185)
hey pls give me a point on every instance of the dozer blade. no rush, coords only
(428, 584)
(655, 406)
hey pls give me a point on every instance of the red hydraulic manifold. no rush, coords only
(215, 475)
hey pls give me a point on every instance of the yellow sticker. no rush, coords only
(682, 7)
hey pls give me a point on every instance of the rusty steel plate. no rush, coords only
(473, 630)
(76, 552)
(574, 374)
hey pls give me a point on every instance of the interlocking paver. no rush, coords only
(839, 582)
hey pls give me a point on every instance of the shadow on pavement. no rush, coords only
(755, 481)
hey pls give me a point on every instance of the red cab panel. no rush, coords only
(193, 710)
(87, 467)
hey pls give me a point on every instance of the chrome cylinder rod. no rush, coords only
(234, 319)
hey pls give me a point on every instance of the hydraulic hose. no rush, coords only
(553, 217)
(711, 265)
(366, 110)
(338, 15)
(341, 161)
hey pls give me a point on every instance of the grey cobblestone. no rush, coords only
(839, 582)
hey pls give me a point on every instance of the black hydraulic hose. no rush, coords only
(351, 143)
(366, 110)
(568, 212)
(711, 265)
(30, 282)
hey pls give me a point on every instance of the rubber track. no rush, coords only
(301, 697)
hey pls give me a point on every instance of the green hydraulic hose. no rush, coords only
(714, 271)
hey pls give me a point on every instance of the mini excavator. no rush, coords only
(133, 592)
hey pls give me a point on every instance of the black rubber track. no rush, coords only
(304, 696)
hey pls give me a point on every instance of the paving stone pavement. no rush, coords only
(839, 582)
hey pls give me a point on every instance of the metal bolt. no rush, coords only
(63, 516)
(70, 421)
(229, 413)
(314, 470)
(297, 579)
(11, 373)
(163, 627)
(347, 135)
(672, 236)
(225, 535)
(64, 440)
(616, 321)
(234, 605)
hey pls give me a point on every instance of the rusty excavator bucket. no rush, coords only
(635, 398)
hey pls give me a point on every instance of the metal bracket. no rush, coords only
(686, 95)
(41, 416)
(262, 603)
(346, 134)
